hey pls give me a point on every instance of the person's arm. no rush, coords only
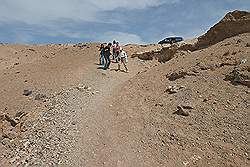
(110, 52)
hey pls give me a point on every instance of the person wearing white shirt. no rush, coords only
(123, 59)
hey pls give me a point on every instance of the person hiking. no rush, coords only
(117, 51)
(113, 50)
(107, 56)
(101, 49)
(123, 59)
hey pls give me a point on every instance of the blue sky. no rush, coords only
(128, 21)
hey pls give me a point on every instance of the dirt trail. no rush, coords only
(191, 110)
(67, 126)
(96, 144)
(95, 119)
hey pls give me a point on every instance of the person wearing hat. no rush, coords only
(123, 59)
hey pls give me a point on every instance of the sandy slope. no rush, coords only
(124, 119)
(191, 110)
(215, 133)
(79, 119)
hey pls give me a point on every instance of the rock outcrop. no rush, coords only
(234, 23)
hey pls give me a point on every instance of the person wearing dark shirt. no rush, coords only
(107, 54)
(113, 50)
(101, 49)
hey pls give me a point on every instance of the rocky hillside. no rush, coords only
(59, 108)
(234, 23)
(190, 111)
(49, 95)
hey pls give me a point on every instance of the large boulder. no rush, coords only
(234, 23)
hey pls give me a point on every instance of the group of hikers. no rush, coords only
(118, 55)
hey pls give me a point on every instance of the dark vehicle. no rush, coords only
(171, 40)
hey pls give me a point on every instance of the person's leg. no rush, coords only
(108, 61)
(119, 66)
(105, 63)
(124, 63)
(102, 59)
(117, 57)
(113, 55)
(126, 68)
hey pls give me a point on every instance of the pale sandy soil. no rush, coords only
(190, 110)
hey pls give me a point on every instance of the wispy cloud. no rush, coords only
(23, 38)
(66, 33)
(129, 21)
(42, 11)
(123, 38)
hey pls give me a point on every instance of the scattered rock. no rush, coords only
(238, 77)
(203, 67)
(226, 53)
(10, 135)
(227, 64)
(238, 41)
(171, 89)
(234, 53)
(181, 111)
(2, 117)
(20, 114)
(33, 50)
(13, 160)
(182, 87)
(243, 61)
(40, 97)
(6, 141)
(26, 144)
(80, 45)
(186, 106)
(174, 89)
(27, 92)
(83, 88)
(176, 75)
(159, 104)
(80, 88)
(12, 121)
(205, 100)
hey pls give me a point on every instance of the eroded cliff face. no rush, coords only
(234, 23)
